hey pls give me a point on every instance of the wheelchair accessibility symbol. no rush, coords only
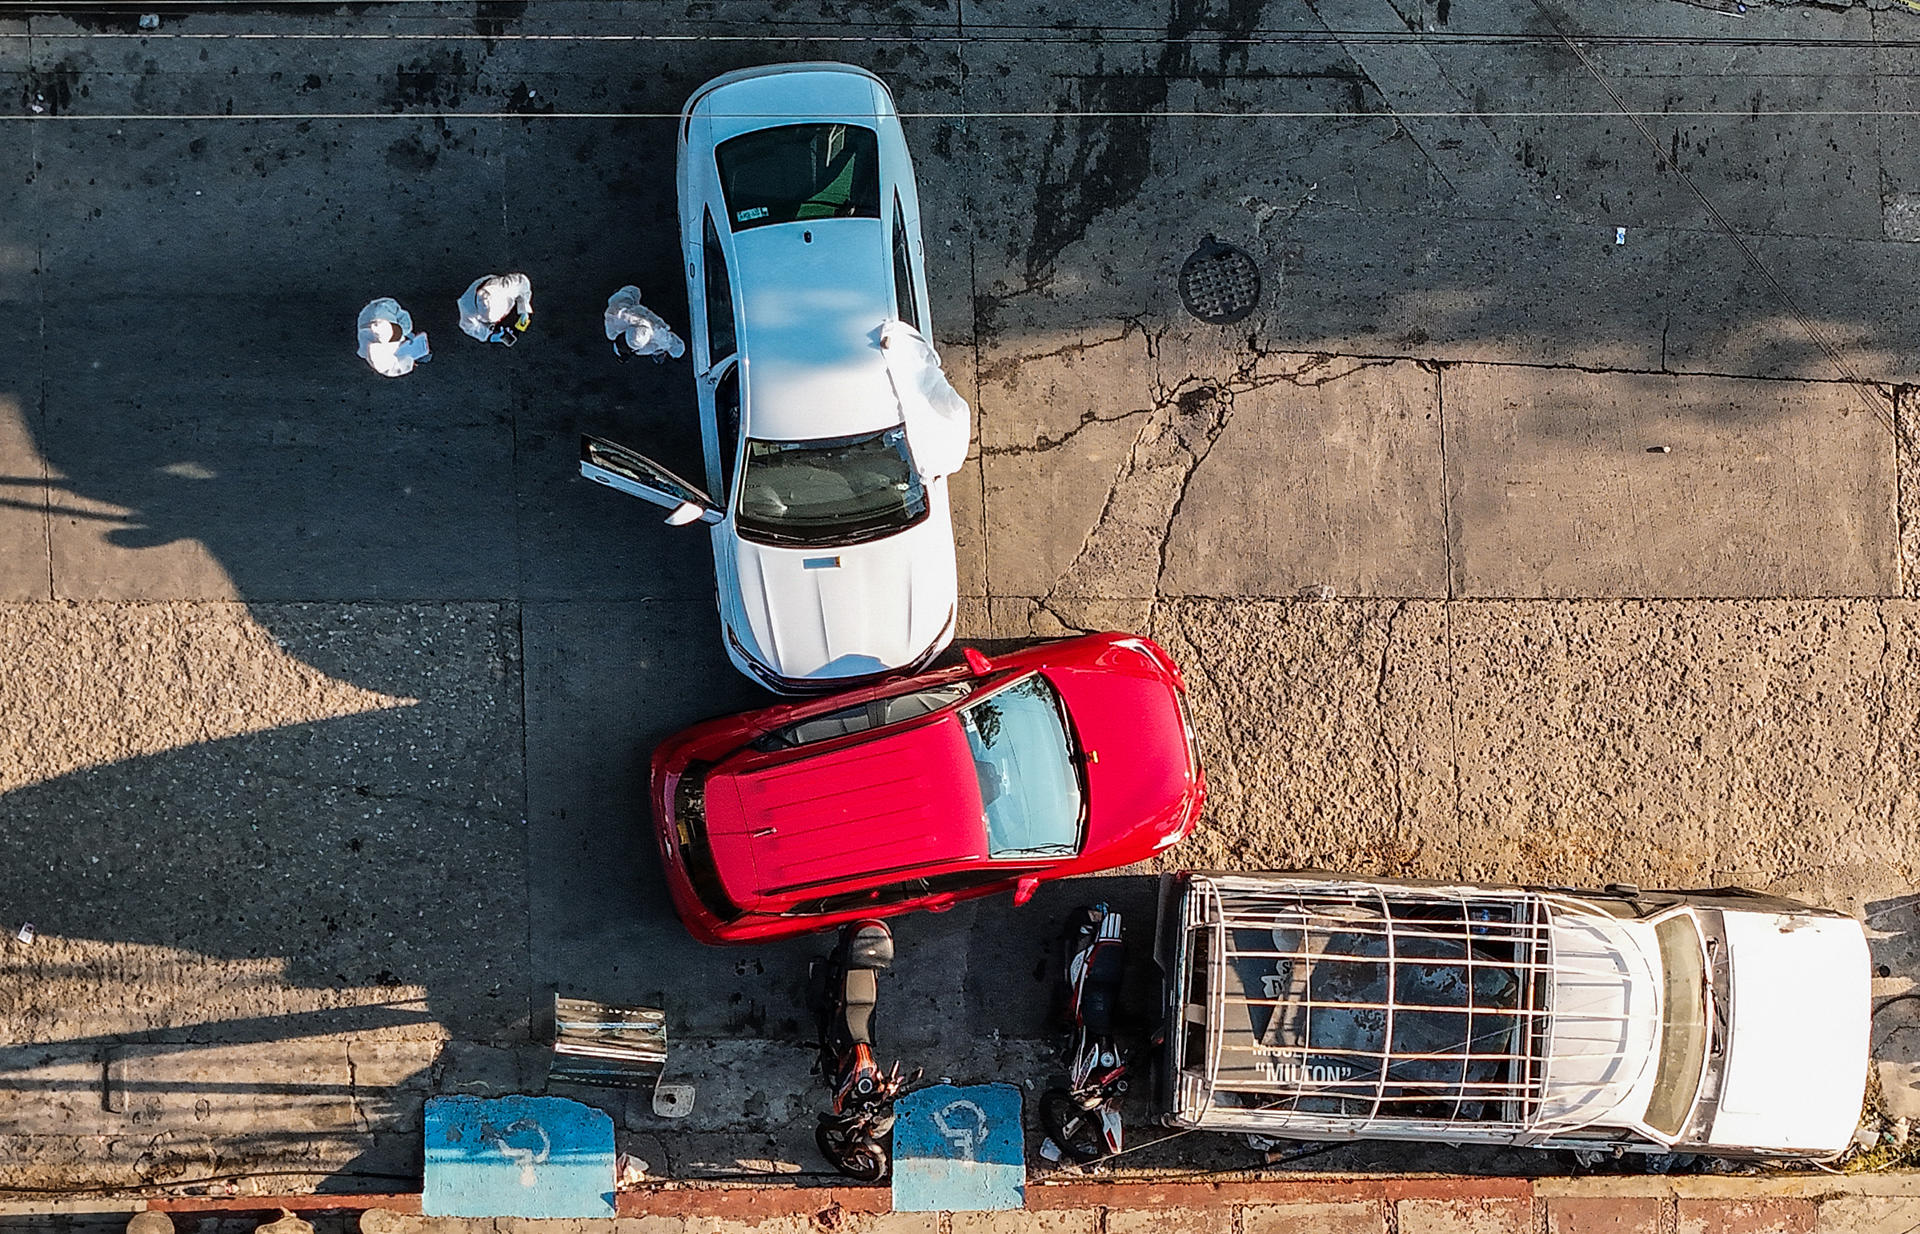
(525, 1156)
(964, 1124)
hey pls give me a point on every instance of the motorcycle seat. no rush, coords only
(862, 990)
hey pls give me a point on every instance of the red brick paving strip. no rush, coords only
(1612, 1214)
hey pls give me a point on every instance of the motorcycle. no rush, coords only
(1082, 1119)
(853, 1136)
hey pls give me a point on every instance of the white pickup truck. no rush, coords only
(1319, 1007)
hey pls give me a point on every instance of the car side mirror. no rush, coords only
(692, 512)
(978, 665)
(1024, 889)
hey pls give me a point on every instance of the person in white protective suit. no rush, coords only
(498, 308)
(636, 330)
(938, 421)
(387, 340)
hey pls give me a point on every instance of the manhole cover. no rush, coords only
(1220, 283)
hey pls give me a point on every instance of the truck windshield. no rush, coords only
(821, 493)
(1683, 1024)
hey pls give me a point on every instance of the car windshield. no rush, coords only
(800, 171)
(1683, 1025)
(1023, 753)
(838, 491)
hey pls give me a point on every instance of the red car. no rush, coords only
(924, 791)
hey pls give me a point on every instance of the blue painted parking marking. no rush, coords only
(517, 1157)
(959, 1149)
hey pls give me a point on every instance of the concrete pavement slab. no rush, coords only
(1566, 483)
(605, 684)
(1867, 1214)
(1331, 717)
(293, 777)
(163, 1113)
(1360, 509)
(1907, 486)
(1045, 506)
(325, 214)
(159, 504)
(1757, 1216)
(584, 232)
(1676, 744)
(1795, 173)
(1728, 317)
(19, 208)
(1178, 498)
(1340, 1217)
(966, 490)
(26, 568)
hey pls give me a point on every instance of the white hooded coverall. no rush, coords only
(493, 302)
(646, 333)
(379, 322)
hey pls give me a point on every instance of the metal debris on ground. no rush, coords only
(26, 933)
(1220, 282)
(606, 1045)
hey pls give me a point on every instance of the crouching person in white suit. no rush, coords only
(637, 330)
(498, 308)
(387, 340)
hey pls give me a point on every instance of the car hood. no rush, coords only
(905, 801)
(848, 612)
(1796, 1058)
(1127, 714)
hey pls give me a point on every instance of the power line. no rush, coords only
(1601, 114)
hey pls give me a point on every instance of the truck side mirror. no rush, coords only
(1024, 889)
(978, 664)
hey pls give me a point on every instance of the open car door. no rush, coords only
(617, 467)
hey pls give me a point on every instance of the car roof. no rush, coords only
(759, 98)
(811, 311)
(902, 801)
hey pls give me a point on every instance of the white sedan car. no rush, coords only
(828, 426)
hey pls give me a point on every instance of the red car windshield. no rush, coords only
(1024, 755)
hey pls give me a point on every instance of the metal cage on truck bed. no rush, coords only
(1333, 1009)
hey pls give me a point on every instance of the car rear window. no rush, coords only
(800, 171)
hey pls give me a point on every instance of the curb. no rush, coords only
(775, 1202)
